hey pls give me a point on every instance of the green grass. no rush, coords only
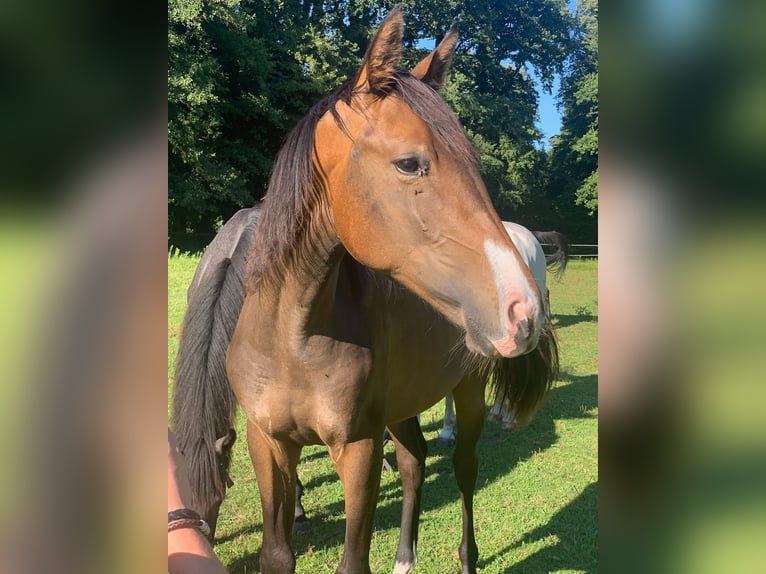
(535, 504)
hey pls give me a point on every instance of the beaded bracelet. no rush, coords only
(187, 518)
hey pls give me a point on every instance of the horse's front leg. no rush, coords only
(275, 465)
(469, 402)
(411, 450)
(358, 465)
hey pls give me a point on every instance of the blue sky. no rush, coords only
(548, 116)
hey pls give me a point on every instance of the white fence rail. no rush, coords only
(576, 250)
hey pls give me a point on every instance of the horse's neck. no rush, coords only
(319, 314)
(316, 292)
(327, 293)
(402, 323)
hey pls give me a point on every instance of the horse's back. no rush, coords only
(236, 236)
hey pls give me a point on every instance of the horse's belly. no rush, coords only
(409, 396)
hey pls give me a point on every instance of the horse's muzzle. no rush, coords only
(522, 326)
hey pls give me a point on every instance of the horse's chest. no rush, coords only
(316, 395)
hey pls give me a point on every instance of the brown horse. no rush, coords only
(380, 279)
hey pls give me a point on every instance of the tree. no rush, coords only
(234, 89)
(241, 72)
(573, 186)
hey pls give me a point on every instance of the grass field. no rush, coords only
(536, 498)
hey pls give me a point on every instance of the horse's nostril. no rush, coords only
(526, 326)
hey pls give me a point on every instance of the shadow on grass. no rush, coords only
(499, 452)
(249, 563)
(561, 321)
(575, 532)
(245, 530)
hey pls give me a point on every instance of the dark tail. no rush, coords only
(523, 382)
(558, 259)
(204, 404)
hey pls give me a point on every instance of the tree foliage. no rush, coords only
(573, 184)
(241, 73)
(235, 88)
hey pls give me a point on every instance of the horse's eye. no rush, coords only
(410, 166)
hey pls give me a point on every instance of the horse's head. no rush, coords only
(407, 199)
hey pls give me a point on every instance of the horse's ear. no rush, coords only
(383, 54)
(433, 68)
